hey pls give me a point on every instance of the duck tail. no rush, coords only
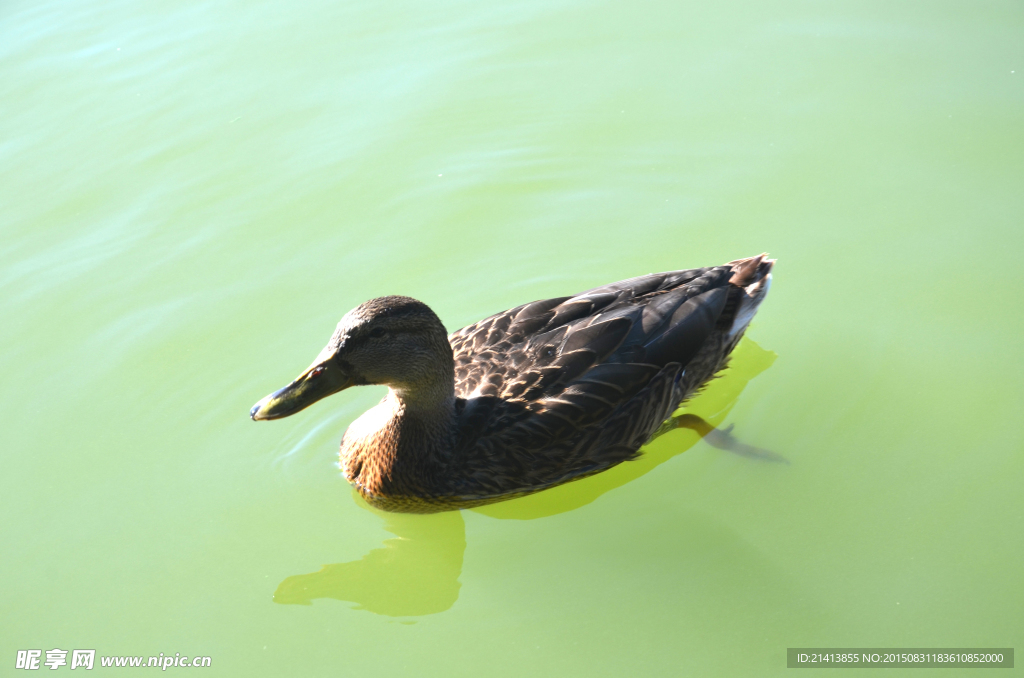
(751, 277)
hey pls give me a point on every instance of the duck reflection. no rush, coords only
(417, 573)
(699, 418)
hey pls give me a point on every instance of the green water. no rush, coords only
(192, 194)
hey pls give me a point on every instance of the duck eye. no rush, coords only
(378, 332)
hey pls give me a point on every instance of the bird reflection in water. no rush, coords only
(417, 572)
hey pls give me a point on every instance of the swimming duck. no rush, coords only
(526, 399)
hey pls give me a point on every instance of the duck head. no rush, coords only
(395, 341)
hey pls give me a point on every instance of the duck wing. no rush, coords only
(536, 350)
(561, 386)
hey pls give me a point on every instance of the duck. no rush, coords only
(533, 397)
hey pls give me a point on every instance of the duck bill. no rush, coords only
(319, 381)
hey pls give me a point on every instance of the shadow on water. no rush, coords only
(417, 573)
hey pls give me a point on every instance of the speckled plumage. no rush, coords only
(535, 396)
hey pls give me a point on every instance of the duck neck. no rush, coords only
(424, 404)
(424, 412)
(433, 400)
(405, 444)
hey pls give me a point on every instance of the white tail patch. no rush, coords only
(753, 295)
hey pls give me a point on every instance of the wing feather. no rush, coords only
(572, 383)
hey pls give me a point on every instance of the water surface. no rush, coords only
(192, 194)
